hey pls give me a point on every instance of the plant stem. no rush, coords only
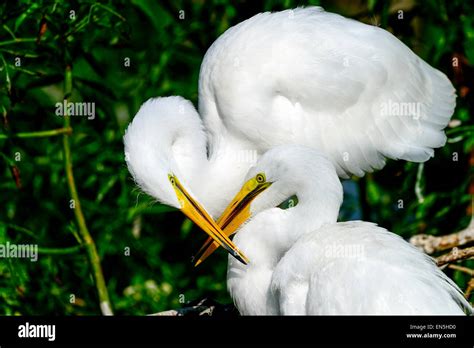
(462, 269)
(7, 75)
(60, 251)
(40, 134)
(49, 251)
(19, 229)
(19, 54)
(19, 40)
(89, 243)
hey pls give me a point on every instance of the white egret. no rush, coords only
(302, 76)
(160, 179)
(352, 91)
(303, 262)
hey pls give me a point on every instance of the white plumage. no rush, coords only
(303, 262)
(302, 76)
(314, 78)
(353, 95)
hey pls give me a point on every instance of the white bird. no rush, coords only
(352, 91)
(303, 262)
(302, 76)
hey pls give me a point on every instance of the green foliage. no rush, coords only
(39, 39)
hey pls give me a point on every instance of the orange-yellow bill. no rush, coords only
(236, 213)
(193, 210)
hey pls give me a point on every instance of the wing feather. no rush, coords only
(376, 272)
(314, 78)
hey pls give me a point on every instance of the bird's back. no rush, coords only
(314, 78)
(359, 268)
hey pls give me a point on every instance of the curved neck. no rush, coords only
(261, 240)
(319, 201)
(317, 206)
(167, 136)
(265, 240)
(212, 179)
(270, 234)
(230, 155)
(221, 175)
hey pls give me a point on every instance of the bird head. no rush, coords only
(285, 177)
(153, 141)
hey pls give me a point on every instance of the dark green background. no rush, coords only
(165, 54)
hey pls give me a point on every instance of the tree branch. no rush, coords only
(431, 244)
(470, 288)
(462, 269)
(204, 307)
(470, 284)
(194, 310)
(455, 255)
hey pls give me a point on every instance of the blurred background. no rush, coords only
(118, 54)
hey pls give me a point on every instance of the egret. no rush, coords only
(160, 179)
(351, 91)
(302, 76)
(302, 261)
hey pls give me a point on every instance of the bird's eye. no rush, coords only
(260, 178)
(289, 203)
(172, 181)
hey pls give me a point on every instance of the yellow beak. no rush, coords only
(193, 210)
(236, 213)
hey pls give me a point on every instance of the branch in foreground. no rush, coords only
(470, 284)
(431, 244)
(455, 255)
(470, 288)
(204, 307)
(194, 310)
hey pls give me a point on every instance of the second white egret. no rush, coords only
(303, 262)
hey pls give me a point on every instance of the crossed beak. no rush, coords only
(236, 213)
(194, 211)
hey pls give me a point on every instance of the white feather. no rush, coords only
(165, 137)
(314, 78)
(317, 79)
(302, 76)
(303, 262)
